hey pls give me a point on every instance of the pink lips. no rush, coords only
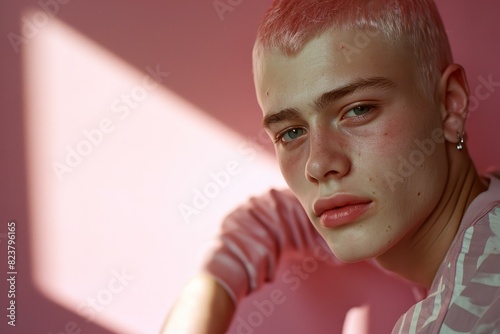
(340, 209)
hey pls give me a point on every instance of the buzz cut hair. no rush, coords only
(288, 25)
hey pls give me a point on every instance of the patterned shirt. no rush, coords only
(465, 294)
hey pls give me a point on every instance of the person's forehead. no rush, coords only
(329, 60)
(339, 48)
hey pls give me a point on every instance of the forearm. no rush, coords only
(203, 307)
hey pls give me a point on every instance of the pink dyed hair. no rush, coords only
(289, 24)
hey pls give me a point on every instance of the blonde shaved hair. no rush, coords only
(414, 24)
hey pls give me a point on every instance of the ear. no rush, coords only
(454, 101)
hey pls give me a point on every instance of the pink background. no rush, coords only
(117, 213)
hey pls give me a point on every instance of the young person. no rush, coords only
(371, 142)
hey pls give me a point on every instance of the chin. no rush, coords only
(350, 255)
(349, 252)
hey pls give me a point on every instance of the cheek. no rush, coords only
(291, 169)
(411, 168)
(380, 145)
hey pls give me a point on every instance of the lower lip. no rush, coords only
(344, 215)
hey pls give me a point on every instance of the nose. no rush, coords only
(328, 157)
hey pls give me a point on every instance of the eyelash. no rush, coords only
(370, 108)
(279, 137)
(281, 134)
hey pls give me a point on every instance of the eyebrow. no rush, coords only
(327, 98)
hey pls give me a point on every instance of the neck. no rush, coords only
(418, 256)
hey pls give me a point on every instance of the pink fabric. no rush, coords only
(257, 235)
(465, 294)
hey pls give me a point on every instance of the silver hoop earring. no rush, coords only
(461, 141)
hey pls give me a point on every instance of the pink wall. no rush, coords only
(104, 248)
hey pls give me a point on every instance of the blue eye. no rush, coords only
(291, 135)
(359, 111)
